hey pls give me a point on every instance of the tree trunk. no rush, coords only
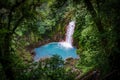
(5, 58)
(94, 15)
(97, 20)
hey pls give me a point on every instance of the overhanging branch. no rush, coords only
(17, 24)
(11, 10)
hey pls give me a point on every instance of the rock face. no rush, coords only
(55, 38)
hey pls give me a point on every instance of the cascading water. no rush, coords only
(69, 33)
(63, 49)
(68, 38)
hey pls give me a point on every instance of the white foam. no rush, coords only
(65, 44)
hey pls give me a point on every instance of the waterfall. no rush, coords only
(68, 38)
(69, 33)
(64, 48)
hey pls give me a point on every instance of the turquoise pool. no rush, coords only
(54, 48)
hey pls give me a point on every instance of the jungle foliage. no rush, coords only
(26, 24)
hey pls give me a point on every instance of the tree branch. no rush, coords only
(17, 24)
(11, 10)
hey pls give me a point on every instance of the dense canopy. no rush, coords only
(28, 24)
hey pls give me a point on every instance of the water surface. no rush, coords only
(54, 48)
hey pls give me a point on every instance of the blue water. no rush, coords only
(54, 48)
